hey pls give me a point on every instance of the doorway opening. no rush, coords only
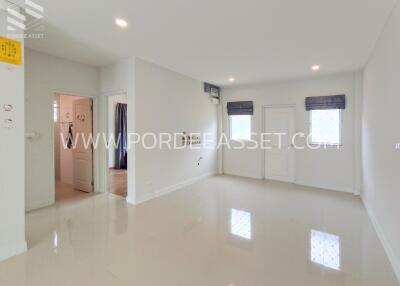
(73, 156)
(118, 152)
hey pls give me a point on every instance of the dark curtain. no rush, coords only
(121, 160)
(70, 137)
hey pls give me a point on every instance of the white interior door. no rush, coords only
(83, 153)
(279, 156)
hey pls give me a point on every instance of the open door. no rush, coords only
(83, 155)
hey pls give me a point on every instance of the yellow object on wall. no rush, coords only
(10, 51)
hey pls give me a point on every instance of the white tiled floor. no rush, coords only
(222, 231)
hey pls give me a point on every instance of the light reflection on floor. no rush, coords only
(241, 223)
(325, 249)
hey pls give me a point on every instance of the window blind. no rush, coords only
(326, 102)
(240, 108)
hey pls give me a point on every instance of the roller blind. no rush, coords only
(326, 102)
(240, 108)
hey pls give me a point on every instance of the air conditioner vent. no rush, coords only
(213, 92)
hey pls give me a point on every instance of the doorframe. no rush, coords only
(263, 162)
(105, 154)
(95, 129)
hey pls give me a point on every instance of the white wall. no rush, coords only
(113, 100)
(118, 77)
(160, 100)
(380, 134)
(166, 101)
(12, 184)
(331, 168)
(44, 76)
(57, 141)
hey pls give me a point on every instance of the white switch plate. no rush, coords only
(398, 146)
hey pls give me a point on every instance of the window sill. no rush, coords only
(240, 140)
(326, 144)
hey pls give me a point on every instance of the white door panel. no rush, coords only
(83, 153)
(278, 165)
(279, 157)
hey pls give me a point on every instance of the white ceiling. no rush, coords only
(212, 40)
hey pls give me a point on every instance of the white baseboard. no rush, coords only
(242, 176)
(395, 261)
(12, 249)
(168, 190)
(131, 200)
(300, 183)
(39, 204)
(325, 187)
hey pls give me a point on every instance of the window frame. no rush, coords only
(230, 129)
(340, 144)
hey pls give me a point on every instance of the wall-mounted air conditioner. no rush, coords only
(213, 92)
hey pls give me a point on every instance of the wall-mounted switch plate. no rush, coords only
(8, 123)
(398, 146)
(8, 107)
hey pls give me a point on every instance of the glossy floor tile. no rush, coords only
(223, 231)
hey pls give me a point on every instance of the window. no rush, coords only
(240, 128)
(326, 126)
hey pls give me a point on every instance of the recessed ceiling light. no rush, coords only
(121, 23)
(231, 79)
(315, 67)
